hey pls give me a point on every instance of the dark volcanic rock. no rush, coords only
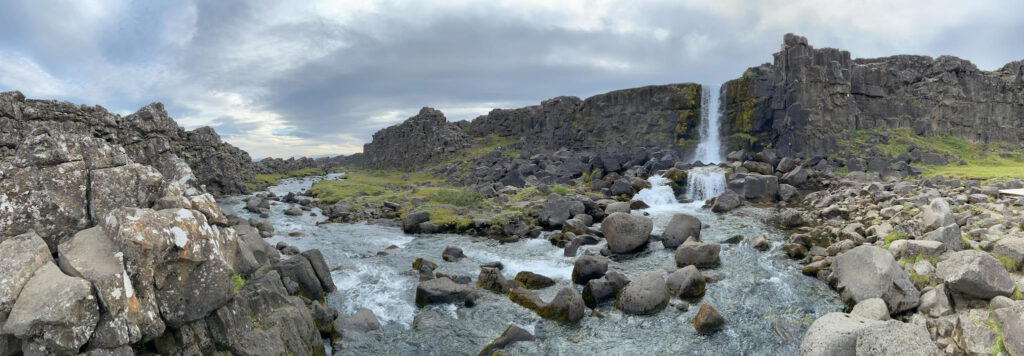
(422, 139)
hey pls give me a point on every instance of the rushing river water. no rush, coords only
(766, 301)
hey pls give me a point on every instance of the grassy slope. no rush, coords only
(984, 161)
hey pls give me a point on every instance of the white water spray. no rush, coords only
(709, 150)
(658, 195)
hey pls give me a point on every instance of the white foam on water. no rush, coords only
(378, 288)
(658, 195)
(703, 183)
(536, 255)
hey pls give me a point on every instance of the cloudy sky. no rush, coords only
(319, 77)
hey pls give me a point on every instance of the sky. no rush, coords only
(312, 77)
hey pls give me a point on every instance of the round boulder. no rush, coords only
(680, 228)
(644, 295)
(686, 282)
(626, 233)
(588, 267)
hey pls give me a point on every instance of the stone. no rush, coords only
(294, 211)
(708, 320)
(316, 260)
(948, 235)
(644, 295)
(936, 214)
(867, 272)
(972, 334)
(680, 228)
(299, 271)
(411, 221)
(727, 201)
(54, 313)
(1012, 248)
(512, 334)
(760, 187)
(441, 291)
(786, 165)
(588, 267)
(452, 254)
(491, 279)
(796, 177)
(420, 140)
(896, 339)
(20, 257)
(362, 321)
(566, 307)
(532, 280)
(602, 289)
(760, 243)
(701, 255)
(975, 274)
(1011, 321)
(788, 218)
(626, 233)
(617, 207)
(935, 302)
(873, 309)
(794, 250)
(557, 209)
(834, 334)
(686, 282)
(912, 248)
(787, 192)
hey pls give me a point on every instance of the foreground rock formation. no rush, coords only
(110, 244)
(808, 99)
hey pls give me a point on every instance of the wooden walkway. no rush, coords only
(1014, 192)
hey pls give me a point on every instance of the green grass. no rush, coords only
(379, 184)
(560, 189)
(262, 181)
(965, 240)
(992, 324)
(457, 197)
(1007, 262)
(237, 282)
(893, 236)
(1017, 295)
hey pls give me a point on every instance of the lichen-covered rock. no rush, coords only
(532, 280)
(708, 320)
(55, 313)
(20, 257)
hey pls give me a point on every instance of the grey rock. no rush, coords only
(602, 289)
(617, 207)
(558, 209)
(588, 267)
(729, 200)
(362, 321)
(441, 291)
(686, 282)
(896, 339)
(644, 295)
(20, 257)
(936, 214)
(54, 313)
(701, 255)
(1011, 321)
(948, 235)
(680, 228)
(975, 274)
(835, 334)
(867, 272)
(512, 334)
(760, 187)
(420, 140)
(452, 254)
(873, 309)
(1012, 248)
(491, 279)
(412, 221)
(626, 233)
(935, 302)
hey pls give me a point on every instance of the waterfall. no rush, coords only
(709, 150)
(704, 183)
(659, 194)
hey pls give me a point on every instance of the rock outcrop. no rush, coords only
(809, 99)
(422, 139)
(146, 137)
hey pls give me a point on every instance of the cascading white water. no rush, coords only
(704, 183)
(709, 150)
(658, 195)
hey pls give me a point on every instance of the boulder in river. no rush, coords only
(511, 335)
(708, 320)
(442, 291)
(975, 274)
(602, 289)
(686, 282)
(727, 201)
(588, 267)
(626, 233)
(702, 255)
(491, 279)
(679, 229)
(452, 254)
(557, 209)
(411, 221)
(644, 295)
(867, 272)
(566, 307)
(532, 280)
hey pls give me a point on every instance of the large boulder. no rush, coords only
(975, 274)
(588, 267)
(491, 279)
(558, 209)
(646, 294)
(626, 233)
(867, 272)
(602, 289)
(760, 187)
(566, 307)
(701, 255)
(948, 235)
(20, 257)
(411, 221)
(1011, 321)
(727, 201)
(894, 338)
(834, 334)
(300, 278)
(680, 228)
(1012, 248)
(442, 291)
(936, 214)
(532, 280)
(55, 313)
(686, 282)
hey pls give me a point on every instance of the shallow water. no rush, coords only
(766, 301)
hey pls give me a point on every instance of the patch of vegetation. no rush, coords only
(1017, 295)
(526, 194)
(920, 280)
(893, 236)
(262, 181)
(1007, 262)
(560, 189)
(992, 324)
(370, 185)
(237, 282)
(456, 197)
(965, 239)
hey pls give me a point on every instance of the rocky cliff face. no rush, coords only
(146, 136)
(110, 244)
(808, 99)
(278, 165)
(651, 116)
(422, 139)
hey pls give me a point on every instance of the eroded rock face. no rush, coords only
(804, 101)
(420, 140)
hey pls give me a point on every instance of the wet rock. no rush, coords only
(512, 334)
(626, 233)
(708, 320)
(411, 221)
(726, 201)
(316, 260)
(679, 229)
(566, 307)
(873, 309)
(295, 211)
(617, 207)
(491, 279)
(794, 250)
(324, 318)
(760, 243)
(787, 192)
(896, 339)
(975, 274)
(54, 313)
(788, 218)
(602, 289)
(441, 291)
(588, 267)
(644, 295)
(532, 280)
(571, 248)
(452, 254)
(760, 187)
(362, 321)
(701, 255)
(686, 282)
(300, 278)
(867, 272)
